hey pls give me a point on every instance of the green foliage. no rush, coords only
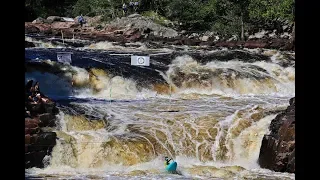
(157, 18)
(222, 16)
(193, 14)
(272, 9)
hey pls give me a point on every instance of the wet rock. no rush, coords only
(31, 130)
(28, 44)
(27, 139)
(47, 120)
(33, 138)
(47, 139)
(278, 149)
(31, 125)
(35, 108)
(43, 141)
(38, 143)
(34, 159)
(33, 121)
(49, 107)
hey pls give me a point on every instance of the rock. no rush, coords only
(34, 159)
(50, 107)
(54, 18)
(47, 120)
(31, 130)
(278, 149)
(255, 44)
(136, 21)
(258, 35)
(27, 139)
(36, 108)
(28, 29)
(31, 125)
(38, 20)
(63, 25)
(37, 28)
(135, 15)
(204, 38)
(33, 138)
(130, 32)
(29, 120)
(28, 44)
(26, 148)
(46, 139)
(278, 43)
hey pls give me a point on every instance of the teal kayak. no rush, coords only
(172, 166)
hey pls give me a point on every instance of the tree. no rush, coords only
(193, 14)
(272, 9)
(233, 16)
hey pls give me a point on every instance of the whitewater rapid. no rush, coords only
(116, 121)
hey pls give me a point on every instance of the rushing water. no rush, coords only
(207, 109)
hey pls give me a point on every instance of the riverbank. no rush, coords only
(39, 139)
(137, 28)
(278, 148)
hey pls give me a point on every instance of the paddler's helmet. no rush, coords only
(166, 158)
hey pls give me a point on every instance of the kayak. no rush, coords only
(172, 166)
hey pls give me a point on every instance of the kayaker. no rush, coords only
(167, 161)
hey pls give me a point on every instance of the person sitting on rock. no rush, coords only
(35, 98)
(42, 99)
(32, 97)
(37, 89)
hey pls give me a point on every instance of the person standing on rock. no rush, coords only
(136, 5)
(124, 8)
(81, 20)
(131, 6)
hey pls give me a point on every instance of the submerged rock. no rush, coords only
(278, 149)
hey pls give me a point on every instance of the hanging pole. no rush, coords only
(62, 37)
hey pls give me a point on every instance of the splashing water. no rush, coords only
(209, 116)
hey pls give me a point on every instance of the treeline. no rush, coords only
(223, 16)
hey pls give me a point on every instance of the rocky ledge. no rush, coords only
(278, 148)
(139, 28)
(38, 141)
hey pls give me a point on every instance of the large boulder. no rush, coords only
(39, 20)
(47, 120)
(54, 18)
(37, 28)
(144, 24)
(28, 44)
(278, 148)
(37, 147)
(63, 25)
